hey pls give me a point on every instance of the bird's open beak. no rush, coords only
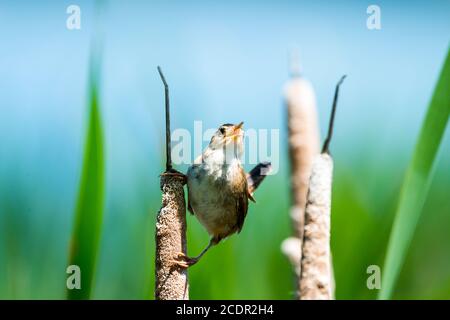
(237, 131)
(238, 126)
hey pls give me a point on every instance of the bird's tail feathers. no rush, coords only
(256, 176)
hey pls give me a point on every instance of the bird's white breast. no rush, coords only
(211, 196)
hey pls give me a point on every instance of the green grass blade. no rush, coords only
(85, 239)
(417, 180)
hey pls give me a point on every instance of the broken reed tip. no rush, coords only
(167, 113)
(341, 80)
(326, 144)
(162, 76)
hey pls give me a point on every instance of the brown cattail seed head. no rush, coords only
(315, 281)
(171, 280)
(303, 143)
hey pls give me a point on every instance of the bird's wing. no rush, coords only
(189, 207)
(191, 172)
(256, 176)
(242, 201)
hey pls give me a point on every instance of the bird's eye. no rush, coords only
(222, 130)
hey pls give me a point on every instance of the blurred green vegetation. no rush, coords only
(417, 180)
(249, 265)
(86, 234)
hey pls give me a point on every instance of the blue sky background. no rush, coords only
(225, 62)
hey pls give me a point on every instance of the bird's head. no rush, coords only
(229, 138)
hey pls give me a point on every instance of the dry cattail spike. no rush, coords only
(303, 131)
(303, 137)
(171, 279)
(316, 279)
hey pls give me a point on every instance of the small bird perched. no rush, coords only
(219, 189)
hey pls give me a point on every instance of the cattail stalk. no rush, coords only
(316, 279)
(303, 137)
(171, 279)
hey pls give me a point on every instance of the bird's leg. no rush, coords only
(186, 261)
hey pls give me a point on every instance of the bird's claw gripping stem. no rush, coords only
(182, 260)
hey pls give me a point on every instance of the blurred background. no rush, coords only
(225, 62)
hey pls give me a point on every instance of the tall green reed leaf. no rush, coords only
(417, 180)
(85, 239)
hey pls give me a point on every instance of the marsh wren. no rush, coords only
(219, 189)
